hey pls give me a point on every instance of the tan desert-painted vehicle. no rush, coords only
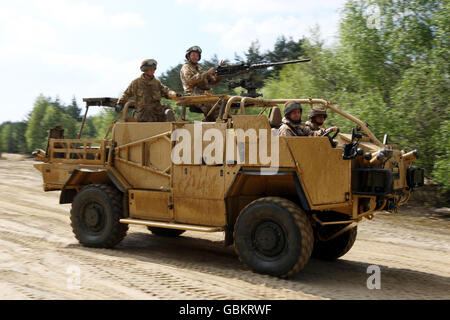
(279, 200)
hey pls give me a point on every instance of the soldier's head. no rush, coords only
(194, 54)
(293, 111)
(317, 114)
(148, 66)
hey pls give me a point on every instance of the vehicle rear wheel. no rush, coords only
(333, 249)
(273, 236)
(96, 211)
(165, 232)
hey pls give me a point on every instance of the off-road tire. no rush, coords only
(273, 236)
(95, 214)
(165, 232)
(333, 249)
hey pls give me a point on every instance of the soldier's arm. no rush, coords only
(323, 131)
(127, 94)
(309, 132)
(191, 77)
(319, 133)
(214, 79)
(284, 131)
(166, 92)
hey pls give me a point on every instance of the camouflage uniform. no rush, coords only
(147, 95)
(318, 130)
(197, 82)
(290, 129)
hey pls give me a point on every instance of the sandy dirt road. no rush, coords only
(41, 259)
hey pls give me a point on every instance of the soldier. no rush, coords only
(147, 92)
(291, 123)
(317, 116)
(196, 81)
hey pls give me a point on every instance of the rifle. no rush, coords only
(233, 70)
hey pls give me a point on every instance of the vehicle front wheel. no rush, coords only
(96, 211)
(273, 236)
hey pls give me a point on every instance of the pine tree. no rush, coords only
(35, 133)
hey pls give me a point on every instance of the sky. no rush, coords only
(86, 49)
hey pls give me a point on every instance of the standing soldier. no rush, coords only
(196, 81)
(147, 92)
(316, 118)
(292, 122)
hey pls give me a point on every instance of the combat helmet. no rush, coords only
(147, 64)
(194, 49)
(316, 111)
(291, 106)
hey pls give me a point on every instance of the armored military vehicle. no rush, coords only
(278, 200)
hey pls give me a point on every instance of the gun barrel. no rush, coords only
(280, 63)
(236, 69)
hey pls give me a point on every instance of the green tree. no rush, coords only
(35, 132)
(171, 78)
(18, 132)
(6, 141)
(73, 110)
(55, 117)
(381, 39)
(102, 121)
(89, 130)
(284, 49)
(421, 109)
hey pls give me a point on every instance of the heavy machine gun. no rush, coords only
(232, 70)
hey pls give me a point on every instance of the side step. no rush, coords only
(170, 225)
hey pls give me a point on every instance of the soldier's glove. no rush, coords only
(173, 95)
(118, 107)
(327, 132)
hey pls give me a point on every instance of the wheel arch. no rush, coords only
(82, 177)
(250, 185)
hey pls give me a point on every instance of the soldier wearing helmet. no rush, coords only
(147, 92)
(196, 81)
(292, 124)
(316, 118)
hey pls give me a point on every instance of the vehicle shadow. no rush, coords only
(341, 279)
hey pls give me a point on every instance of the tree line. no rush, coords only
(389, 67)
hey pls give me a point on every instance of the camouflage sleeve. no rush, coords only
(318, 133)
(191, 77)
(127, 94)
(285, 131)
(214, 79)
(164, 90)
(307, 131)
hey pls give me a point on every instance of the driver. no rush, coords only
(316, 118)
(292, 124)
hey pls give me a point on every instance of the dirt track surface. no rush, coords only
(41, 259)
